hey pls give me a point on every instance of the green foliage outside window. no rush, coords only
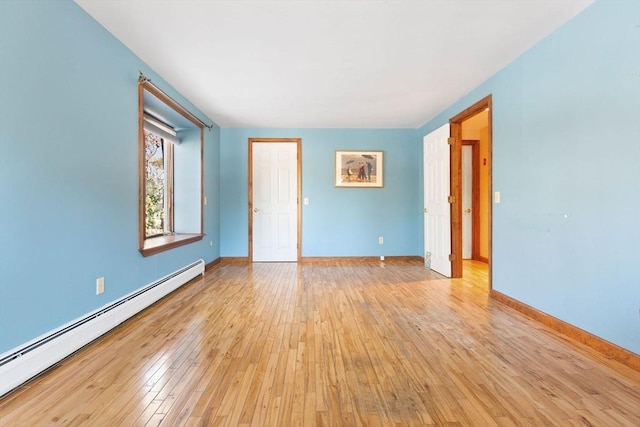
(155, 185)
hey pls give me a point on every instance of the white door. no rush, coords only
(467, 197)
(275, 204)
(437, 213)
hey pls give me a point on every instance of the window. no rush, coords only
(170, 178)
(158, 184)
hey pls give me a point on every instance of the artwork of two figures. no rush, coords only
(359, 169)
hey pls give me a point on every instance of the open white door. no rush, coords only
(467, 201)
(275, 204)
(437, 212)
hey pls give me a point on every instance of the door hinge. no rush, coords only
(451, 199)
(451, 140)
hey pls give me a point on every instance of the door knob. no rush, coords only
(256, 210)
(425, 210)
(467, 210)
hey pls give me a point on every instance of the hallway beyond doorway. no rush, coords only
(476, 273)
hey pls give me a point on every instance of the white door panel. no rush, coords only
(437, 212)
(275, 209)
(467, 197)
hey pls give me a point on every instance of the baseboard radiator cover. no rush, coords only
(22, 363)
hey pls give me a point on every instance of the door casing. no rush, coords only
(456, 183)
(298, 142)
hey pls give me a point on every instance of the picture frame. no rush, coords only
(359, 169)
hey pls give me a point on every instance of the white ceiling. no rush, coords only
(328, 64)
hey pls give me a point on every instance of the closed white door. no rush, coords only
(467, 201)
(275, 204)
(437, 213)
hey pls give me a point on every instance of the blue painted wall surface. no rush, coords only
(566, 137)
(68, 170)
(566, 151)
(337, 221)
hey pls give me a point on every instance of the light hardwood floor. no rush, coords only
(330, 344)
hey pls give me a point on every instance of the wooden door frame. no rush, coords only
(456, 182)
(475, 196)
(298, 142)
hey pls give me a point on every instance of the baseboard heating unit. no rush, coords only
(22, 363)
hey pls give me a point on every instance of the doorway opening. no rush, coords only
(471, 188)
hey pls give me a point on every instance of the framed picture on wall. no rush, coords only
(359, 169)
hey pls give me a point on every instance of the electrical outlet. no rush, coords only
(211, 243)
(381, 257)
(380, 240)
(99, 285)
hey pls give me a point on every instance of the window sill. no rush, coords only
(159, 244)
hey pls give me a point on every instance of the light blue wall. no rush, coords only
(68, 170)
(337, 221)
(566, 141)
(566, 151)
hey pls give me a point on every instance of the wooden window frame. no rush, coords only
(153, 245)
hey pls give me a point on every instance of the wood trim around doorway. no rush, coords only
(298, 142)
(456, 182)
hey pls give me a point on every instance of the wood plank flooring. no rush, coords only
(330, 344)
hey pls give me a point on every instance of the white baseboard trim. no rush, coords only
(22, 363)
